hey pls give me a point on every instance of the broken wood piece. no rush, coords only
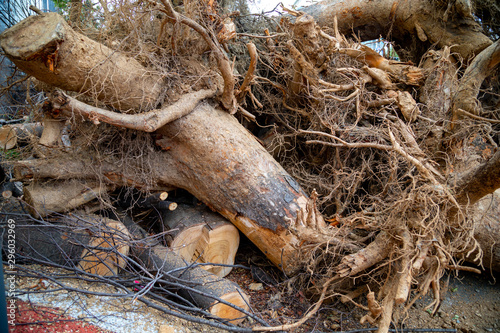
(60, 196)
(380, 77)
(107, 249)
(52, 132)
(375, 252)
(202, 236)
(407, 105)
(14, 135)
(403, 72)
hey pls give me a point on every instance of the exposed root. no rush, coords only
(147, 122)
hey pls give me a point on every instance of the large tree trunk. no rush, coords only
(431, 22)
(207, 152)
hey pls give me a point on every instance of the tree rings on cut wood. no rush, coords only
(236, 298)
(107, 249)
(199, 235)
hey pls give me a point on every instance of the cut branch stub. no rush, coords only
(47, 48)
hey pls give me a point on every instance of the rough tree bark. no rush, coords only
(481, 67)
(46, 51)
(432, 22)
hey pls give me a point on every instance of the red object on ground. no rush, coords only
(36, 318)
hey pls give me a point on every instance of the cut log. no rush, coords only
(60, 196)
(46, 242)
(107, 249)
(44, 46)
(97, 246)
(199, 235)
(76, 167)
(205, 284)
(13, 135)
(66, 241)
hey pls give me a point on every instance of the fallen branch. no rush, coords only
(148, 121)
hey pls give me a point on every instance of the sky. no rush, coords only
(259, 6)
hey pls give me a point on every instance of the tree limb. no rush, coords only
(148, 121)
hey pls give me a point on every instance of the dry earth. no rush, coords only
(471, 304)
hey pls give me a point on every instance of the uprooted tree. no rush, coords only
(393, 153)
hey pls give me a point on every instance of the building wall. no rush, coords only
(13, 11)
